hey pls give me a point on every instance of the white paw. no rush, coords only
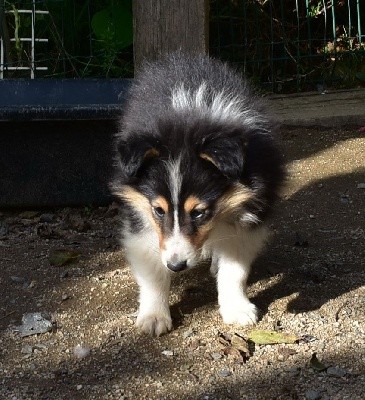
(154, 324)
(244, 313)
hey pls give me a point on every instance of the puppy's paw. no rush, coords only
(243, 313)
(154, 324)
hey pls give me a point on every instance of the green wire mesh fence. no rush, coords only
(66, 38)
(282, 45)
(292, 45)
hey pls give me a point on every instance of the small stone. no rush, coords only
(35, 323)
(17, 279)
(46, 218)
(65, 297)
(168, 353)
(313, 395)
(361, 186)
(216, 356)
(40, 346)
(64, 274)
(81, 351)
(27, 349)
(188, 333)
(224, 373)
(336, 371)
(79, 387)
(4, 229)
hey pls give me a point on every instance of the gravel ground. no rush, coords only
(309, 282)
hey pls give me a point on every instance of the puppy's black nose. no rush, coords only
(177, 267)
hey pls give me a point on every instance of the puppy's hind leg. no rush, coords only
(234, 257)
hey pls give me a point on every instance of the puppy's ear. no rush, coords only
(135, 152)
(226, 152)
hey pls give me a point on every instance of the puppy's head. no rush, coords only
(179, 184)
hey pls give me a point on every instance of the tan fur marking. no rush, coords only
(201, 235)
(161, 202)
(151, 153)
(208, 158)
(136, 199)
(142, 204)
(234, 199)
(192, 203)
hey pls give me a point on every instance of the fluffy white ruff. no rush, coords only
(232, 248)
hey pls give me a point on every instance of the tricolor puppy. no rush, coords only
(198, 172)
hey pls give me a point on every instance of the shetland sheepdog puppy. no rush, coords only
(197, 173)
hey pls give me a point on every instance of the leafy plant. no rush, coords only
(85, 38)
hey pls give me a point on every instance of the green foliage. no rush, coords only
(90, 38)
(113, 29)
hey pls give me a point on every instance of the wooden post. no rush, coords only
(162, 26)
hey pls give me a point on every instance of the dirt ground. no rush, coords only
(310, 282)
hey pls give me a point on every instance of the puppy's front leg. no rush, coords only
(234, 305)
(233, 257)
(154, 283)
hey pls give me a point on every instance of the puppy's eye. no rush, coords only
(158, 211)
(197, 214)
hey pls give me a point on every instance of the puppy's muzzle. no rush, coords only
(178, 266)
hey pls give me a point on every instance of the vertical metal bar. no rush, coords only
(358, 20)
(245, 39)
(273, 80)
(325, 32)
(218, 19)
(2, 50)
(231, 30)
(308, 17)
(325, 22)
(32, 65)
(1, 58)
(64, 45)
(298, 41)
(258, 42)
(90, 30)
(349, 32)
(286, 50)
(309, 41)
(333, 23)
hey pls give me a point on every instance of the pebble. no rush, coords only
(168, 353)
(35, 323)
(4, 229)
(17, 279)
(188, 333)
(27, 349)
(46, 218)
(64, 274)
(224, 373)
(361, 186)
(336, 371)
(313, 394)
(81, 351)
(216, 356)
